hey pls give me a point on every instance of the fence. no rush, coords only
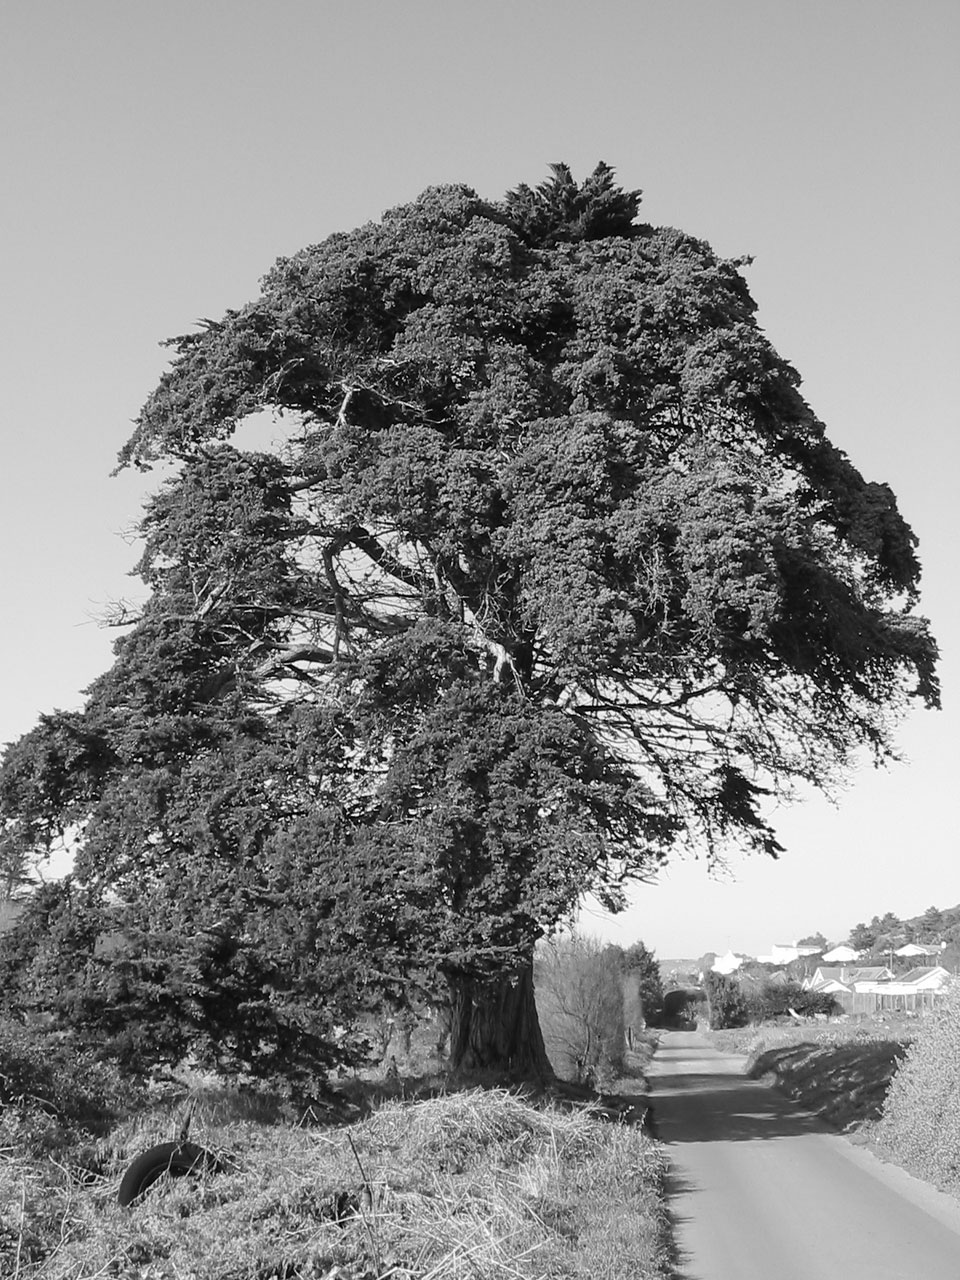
(890, 1000)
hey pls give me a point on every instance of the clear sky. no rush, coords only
(156, 157)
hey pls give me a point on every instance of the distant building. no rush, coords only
(915, 950)
(827, 978)
(785, 953)
(728, 963)
(841, 955)
(868, 973)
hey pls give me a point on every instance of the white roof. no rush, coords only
(841, 953)
(727, 963)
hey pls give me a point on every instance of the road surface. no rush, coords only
(763, 1191)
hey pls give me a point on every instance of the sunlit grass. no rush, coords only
(479, 1183)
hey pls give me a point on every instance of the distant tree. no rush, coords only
(643, 984)
(726, 1003)
(555, 572)
(890, 931)
(931, 924)
(862, 937)
(814, 940)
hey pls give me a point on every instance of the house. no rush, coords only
(915, 950)
(916, 990)
(826, 977)
(869, 973)
(782, 953)
(841, 955)
(728, 963)
(925, 978)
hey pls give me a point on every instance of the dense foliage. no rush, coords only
(726, 1004)
(775, 1000)
(920, 1125)
(642, 985)
(54, 1094)
(554, 570)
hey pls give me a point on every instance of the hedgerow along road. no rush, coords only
(760, 1189)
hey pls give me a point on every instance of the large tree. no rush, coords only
(555, 571)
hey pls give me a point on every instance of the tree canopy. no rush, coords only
(555, 571)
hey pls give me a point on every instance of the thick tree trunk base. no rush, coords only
(496, 1027)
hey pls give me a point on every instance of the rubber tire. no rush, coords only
(175, 1159)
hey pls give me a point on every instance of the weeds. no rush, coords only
(479, 1183)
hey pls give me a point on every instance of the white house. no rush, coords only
(827, 978)
(782, 953)
(868, 976)
(728, 963)
(841, 955)
(925, 978)
(915, 949)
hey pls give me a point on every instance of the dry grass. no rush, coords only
(473, 1184)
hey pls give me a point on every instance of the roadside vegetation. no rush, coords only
(475, 1183)
(920, 1125)
(399, 1171)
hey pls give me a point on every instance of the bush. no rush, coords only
(51, 1091)
(776, 1000)
(153, 994)
(580, 1004)
(726, 1004)
(920, 1124)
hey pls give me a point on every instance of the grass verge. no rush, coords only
(479, 1183)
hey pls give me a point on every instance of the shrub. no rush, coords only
(726, 1004)
(775, 1000)
(52, 1091)
(642, 986)
(580, 1004)
(920, 1124)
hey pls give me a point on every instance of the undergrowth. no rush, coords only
(920, 1125)
(479, 1183)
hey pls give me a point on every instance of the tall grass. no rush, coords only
(480, 1183)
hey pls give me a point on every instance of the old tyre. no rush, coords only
(166, 1159)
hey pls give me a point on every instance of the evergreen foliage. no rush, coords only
(555, 572)
(778, 999)
(726, 1003)
(641, 965)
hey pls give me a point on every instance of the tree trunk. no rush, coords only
(496, 1028)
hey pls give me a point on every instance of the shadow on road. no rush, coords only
(728, 1111)
(700, 1096)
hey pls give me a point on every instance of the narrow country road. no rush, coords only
(762, 1191)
